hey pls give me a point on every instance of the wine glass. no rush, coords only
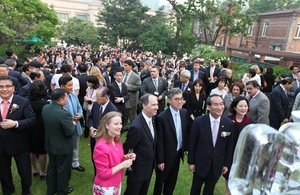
(130, 151)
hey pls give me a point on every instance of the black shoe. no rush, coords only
(70, 189)
(79, 168)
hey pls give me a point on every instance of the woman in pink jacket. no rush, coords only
(109, 156)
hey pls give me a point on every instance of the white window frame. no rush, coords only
(297, 34)
(250, 30)
(81, 16)
(265, 29)
(63, 16)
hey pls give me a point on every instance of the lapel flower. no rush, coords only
(14, 107)
(225, 134)
(188, 89)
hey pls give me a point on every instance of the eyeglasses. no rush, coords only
(178, 99)
(5, 86)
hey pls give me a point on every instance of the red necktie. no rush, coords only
(5, 109)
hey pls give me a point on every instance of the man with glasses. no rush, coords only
(16, 118)
(171, 127)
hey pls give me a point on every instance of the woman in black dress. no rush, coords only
(37, 98)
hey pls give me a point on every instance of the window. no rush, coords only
(250, 30)
(297, 35)
(63, 16)
(198, 29)
(83, 17)
(265, 29)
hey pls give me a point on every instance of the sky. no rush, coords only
(155, 4)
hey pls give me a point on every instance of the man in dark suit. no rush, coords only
(279, 103)
(171, 127)
(294, 71)
(17, 117)
(196, 73)
(157, 86)
(118, 93)
(213, 72)
(184, 84)
(141, 137)
(59, 129)
(145, 73)
(119, 65)
(210, 147)
(81, 69)
(11, 63)
(101, 107)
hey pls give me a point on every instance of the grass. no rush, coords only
(83, 181)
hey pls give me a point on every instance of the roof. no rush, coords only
(280, 12)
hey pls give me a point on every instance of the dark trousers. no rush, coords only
(275, 124)
(166, 179)
(209, 181)
(24, 170)
(92, 144)
(59, 173)
(137, 187)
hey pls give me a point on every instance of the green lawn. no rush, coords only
(82, 181)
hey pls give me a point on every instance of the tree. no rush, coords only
(79, 32)
(20, 19)
(121, 22)
(272, 5)
(157, 32)
(215, 18)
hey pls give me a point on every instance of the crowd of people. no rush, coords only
(171, 109)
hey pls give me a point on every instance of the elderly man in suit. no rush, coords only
(279, 103)
(171, 125)
(74, 107)
(141, 137)
(101, 107)
(11, 63)
(210, 147)
(157, 86)
(133, 84)
(259, 103)
(213, 72)
(184, 84)
(17, 117)
(59, 129)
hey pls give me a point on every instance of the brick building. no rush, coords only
(277, 30)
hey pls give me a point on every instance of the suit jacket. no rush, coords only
(18, 76)
(133, 87)
(187, 90)
(76, 107)
(259, 108)
(166, 150)
(114, 67)
(16, 84)
(139, 138)
(59, 129)
(203, 154)
(291, 94)
(15, 141)
(279, 104)
(216, 71)
(201, 75)
(115, 92)
(82, 91)
(24, 91)
(93, 119)
(148, 87)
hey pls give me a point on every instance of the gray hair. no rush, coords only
(185, 73)
(10, 62)
(173, 92)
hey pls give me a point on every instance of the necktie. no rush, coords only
(155, 84)
(250, 98)
(151, 128)
(178, 131)
(125, 79)
(100, 113)
(215, 131)
(183, 87)
(120, 87)
(211, 74)
(5, 109)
